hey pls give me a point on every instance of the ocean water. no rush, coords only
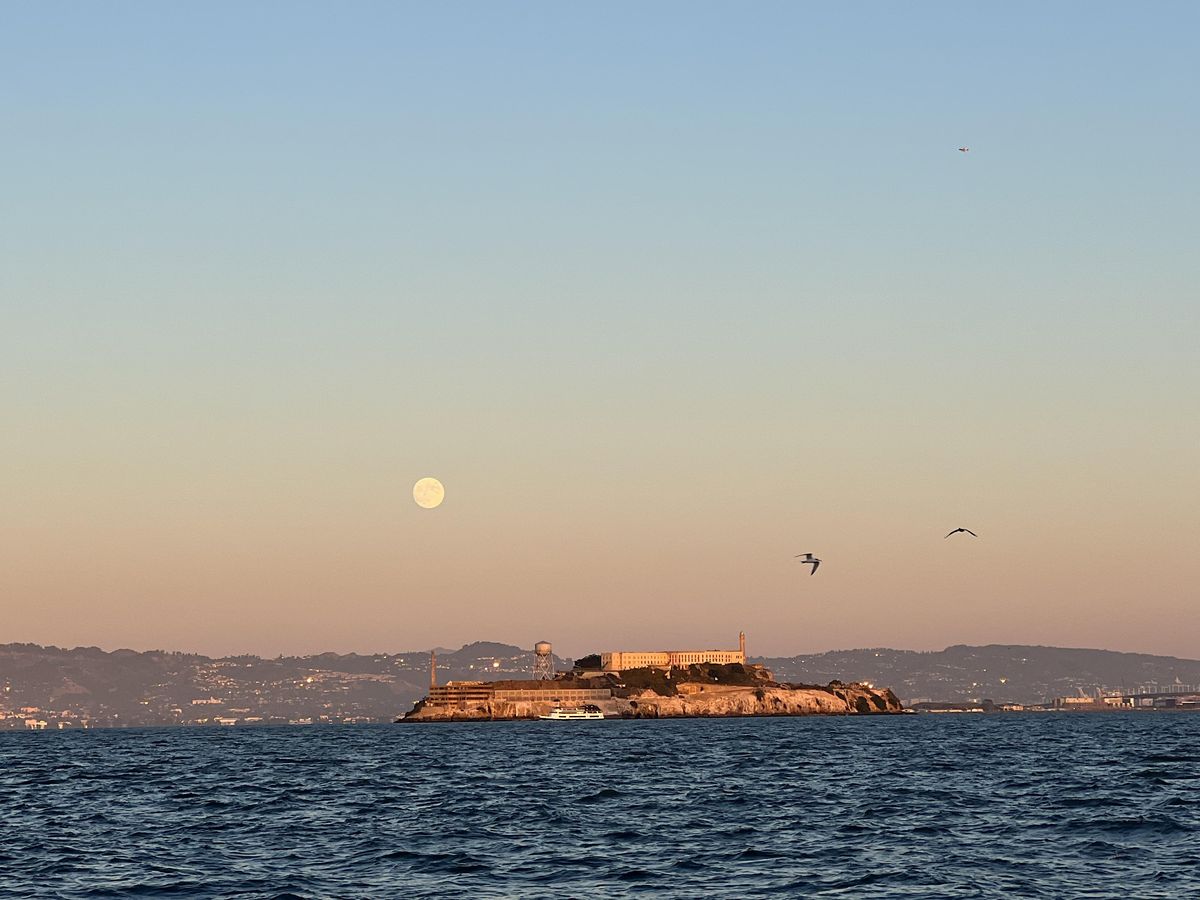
(1066, 805)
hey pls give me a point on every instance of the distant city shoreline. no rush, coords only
(53, 688)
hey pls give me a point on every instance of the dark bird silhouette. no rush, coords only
(964, 149)
(967, 530)
(809, 559)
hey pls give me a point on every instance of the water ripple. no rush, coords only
(978, 806)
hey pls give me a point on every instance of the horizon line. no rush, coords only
(441, 649)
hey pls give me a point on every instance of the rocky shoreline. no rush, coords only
(689, 700)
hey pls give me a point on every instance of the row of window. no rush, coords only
(619, 660)
(554, 696)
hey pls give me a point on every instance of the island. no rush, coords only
(651, 692)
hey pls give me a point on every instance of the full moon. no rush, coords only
(429, 493)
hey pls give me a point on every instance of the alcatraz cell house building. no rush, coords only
(618, 660)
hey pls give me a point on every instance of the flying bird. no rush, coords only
(809, 559)
(964, 149)
(967, 530)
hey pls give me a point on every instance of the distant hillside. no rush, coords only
(126, 687)
(1014, 673)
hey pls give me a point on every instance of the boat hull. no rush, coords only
(566, 715)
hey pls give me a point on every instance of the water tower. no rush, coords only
(543, 662)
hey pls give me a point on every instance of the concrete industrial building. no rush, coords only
(458, 693)
(618, 660)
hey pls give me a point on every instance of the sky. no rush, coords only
(664, 294)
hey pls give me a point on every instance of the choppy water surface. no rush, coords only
(928, 806)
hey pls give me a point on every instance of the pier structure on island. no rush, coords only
(466, 693)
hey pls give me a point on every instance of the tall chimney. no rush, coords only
(433, 668)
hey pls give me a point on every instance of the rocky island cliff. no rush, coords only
(698, 691)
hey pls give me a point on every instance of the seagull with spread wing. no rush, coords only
(809, 559)
(967, 530)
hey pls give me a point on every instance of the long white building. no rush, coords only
(618, 660)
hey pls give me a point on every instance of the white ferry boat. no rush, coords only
(587, 711)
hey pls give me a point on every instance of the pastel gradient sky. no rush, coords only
(663, 293)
